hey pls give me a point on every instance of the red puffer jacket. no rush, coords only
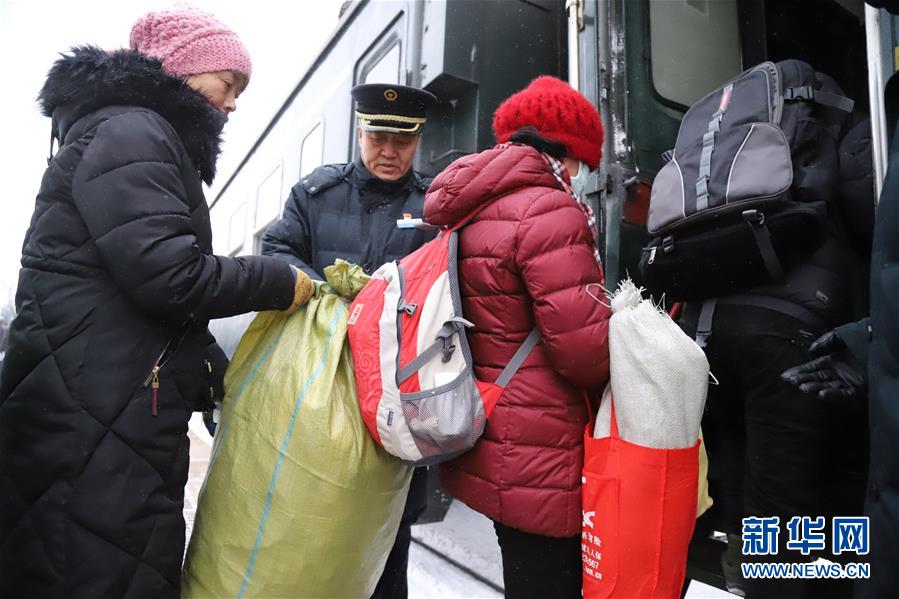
(525, 260)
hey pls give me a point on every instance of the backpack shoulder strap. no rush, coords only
(467, 218)
(524, 350)
(706, 318)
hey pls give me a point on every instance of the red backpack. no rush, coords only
(414, 373)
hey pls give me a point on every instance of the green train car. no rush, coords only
(641, 62)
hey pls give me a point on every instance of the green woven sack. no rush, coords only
(299, 501)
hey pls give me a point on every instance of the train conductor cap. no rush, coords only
(391, 108)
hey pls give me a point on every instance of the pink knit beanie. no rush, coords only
(190, 41)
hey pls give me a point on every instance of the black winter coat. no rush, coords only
(875, 342)
(343, 211)
(117, 276)
(827, 286)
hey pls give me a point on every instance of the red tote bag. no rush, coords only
(639, 510)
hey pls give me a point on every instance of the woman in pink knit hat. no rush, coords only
(200, 49)
(110, 351)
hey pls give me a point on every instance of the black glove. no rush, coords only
(833, 374)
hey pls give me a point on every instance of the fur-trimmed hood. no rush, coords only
(90, 78)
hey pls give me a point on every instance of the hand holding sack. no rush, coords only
(641, 481)
(298, 500)
(303, 289)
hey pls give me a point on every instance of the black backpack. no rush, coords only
(754, 166)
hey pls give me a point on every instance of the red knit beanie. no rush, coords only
(558, 113)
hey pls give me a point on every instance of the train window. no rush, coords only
(268, 205)
(695, 47)
(386, 70)
(312, 149)
(237, 229)
(382, 62)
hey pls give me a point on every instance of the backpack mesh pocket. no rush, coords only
(443, 420)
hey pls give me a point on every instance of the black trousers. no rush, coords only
(773, 450)
(537, 566)
(393, 583)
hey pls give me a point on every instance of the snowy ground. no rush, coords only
(460, 557)
(456, 558)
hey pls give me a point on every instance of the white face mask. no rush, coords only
(579, 181)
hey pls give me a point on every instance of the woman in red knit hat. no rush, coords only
(110, 350)
(527, 260)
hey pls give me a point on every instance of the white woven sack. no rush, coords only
(659, 376)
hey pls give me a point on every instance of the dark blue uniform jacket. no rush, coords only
(343, 211)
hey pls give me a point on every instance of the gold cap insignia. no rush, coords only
(390, 95)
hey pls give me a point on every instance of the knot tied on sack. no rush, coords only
(344, 279)
(627, 296)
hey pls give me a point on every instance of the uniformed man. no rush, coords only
(350, 211)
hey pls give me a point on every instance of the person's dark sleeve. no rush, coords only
(289, 238)
(857, 338)
(855, 199)
(129, 192)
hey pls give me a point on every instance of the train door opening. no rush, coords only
(656, 58)
(676, 51)
(829, 35)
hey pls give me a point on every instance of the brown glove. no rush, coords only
(303, 289)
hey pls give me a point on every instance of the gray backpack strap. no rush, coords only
(441, 345)
(524, 350)
(708, 146)
(706, 318)
(810, 94)
(775, 304)
(756, 222)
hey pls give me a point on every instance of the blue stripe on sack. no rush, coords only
(282, 451)
(220, 434)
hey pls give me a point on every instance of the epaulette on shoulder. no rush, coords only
(322, 178)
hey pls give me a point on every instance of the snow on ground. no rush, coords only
(432, 576)
(457, 558)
